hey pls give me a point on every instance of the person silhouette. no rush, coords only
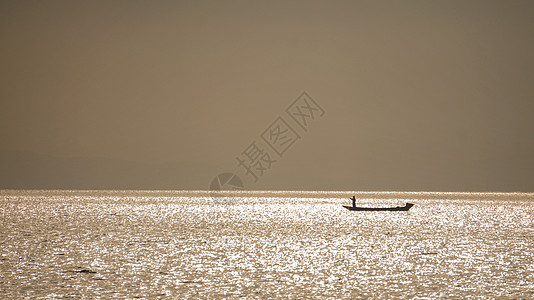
(353, 201)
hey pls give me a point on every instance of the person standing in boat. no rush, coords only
(353, 201)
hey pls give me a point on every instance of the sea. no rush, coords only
(264, 245)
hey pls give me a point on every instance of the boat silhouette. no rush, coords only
(397, 208)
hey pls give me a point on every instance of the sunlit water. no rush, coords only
(68, 244)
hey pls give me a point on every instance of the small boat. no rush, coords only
(398, 208)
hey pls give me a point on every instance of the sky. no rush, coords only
(414, 95)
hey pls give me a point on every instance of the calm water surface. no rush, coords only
(128, 244)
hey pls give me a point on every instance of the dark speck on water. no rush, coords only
(85, 271)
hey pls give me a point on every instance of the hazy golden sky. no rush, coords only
(425, 95)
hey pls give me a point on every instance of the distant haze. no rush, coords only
(417, 95)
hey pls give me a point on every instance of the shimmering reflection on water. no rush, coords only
(106, 245)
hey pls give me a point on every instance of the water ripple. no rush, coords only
(101, 244)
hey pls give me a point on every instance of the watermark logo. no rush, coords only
(222, 183)
(261, 154)
(304, 110)
(226, 182)
(280, 136)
